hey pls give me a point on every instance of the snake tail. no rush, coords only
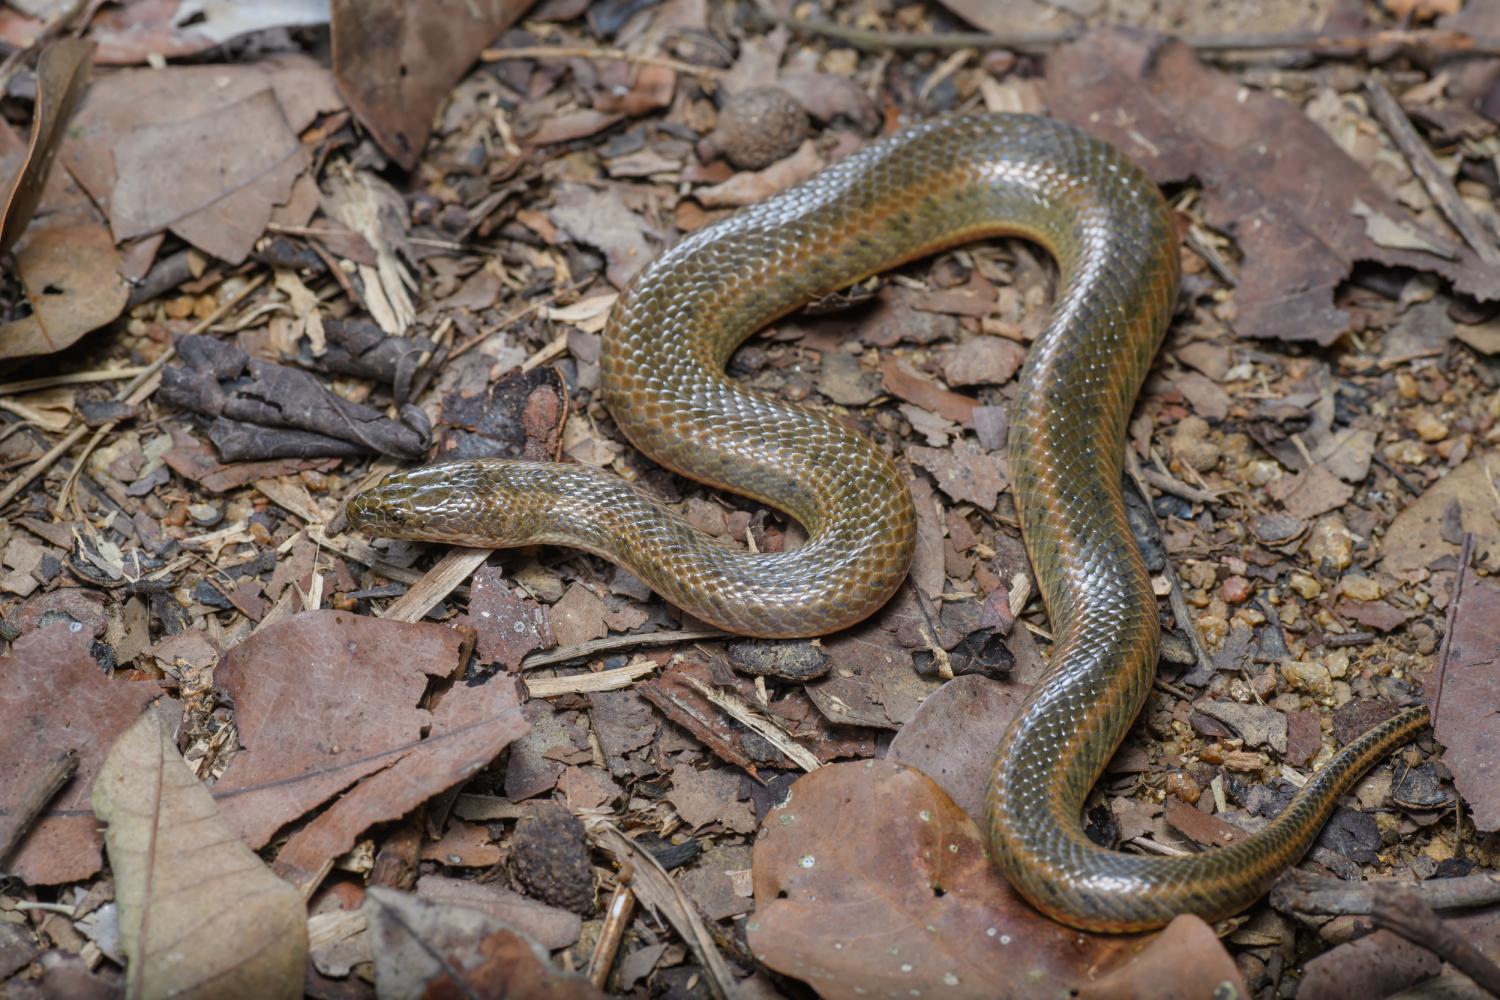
(925, 188)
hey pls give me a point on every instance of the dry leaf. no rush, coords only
(1289, 202)
(200, 914)
(919, 906)
(428, 949)
(73, 285)
(55, 697)
(396, 61)
(1465, 704)
(62, 73)
(134, 32)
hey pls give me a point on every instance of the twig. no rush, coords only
(1167, 484)
(453, 568)
(15, 825)
(1321, 895)
(1185, 620)
(1465, 557)
(603, 55)
(737, 708)
(616, 920)
(1400, 909)
(604, 680)
(76, 378)
(1405, 136)
(585, 649)
(658, 893)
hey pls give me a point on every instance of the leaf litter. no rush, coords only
(1313, 499)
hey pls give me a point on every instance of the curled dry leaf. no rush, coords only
(62, 73)
(200, 914)
(919, 907)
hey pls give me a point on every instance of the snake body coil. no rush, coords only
(925, 188)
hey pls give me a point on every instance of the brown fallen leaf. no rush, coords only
(549, 926)
(599, 218)
(73, 285)
(470, 726)
(1291, 203)
(182, 101)
(953, 736)
(245, 160)
(200, 915)
(902, 380)
(508, 625)
(62, 73)
(1464, 696)
(433, 950)
(966, 472)
(750, 186)
(1416, 538)
(919, 906)
(396, 62)
(323, 699)
(1184, 962)
(54, 697)
(1380, 964)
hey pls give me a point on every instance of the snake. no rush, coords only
(930, 186)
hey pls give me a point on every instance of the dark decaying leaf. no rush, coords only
(1467, 691)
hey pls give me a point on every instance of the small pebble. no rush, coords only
(1429, 427)
(1306, 587)
(1310, 677)
(1360, 588)
(1190, 445)
(205, 515)
(1330, 544)
(1236, 590)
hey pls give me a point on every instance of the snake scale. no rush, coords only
(925, 188)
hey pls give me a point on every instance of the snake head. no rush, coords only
(436, 503)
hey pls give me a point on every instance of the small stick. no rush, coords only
(602, 55)
(1465, 557)
(76, 378)
(592, 646)
(1400, 909)
(616, 920)
(1180, 610)
(1405, 136)
(14, 827)
(1320, 895)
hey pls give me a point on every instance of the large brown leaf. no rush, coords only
(917, 905)
(322, 700)
(200, 915)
